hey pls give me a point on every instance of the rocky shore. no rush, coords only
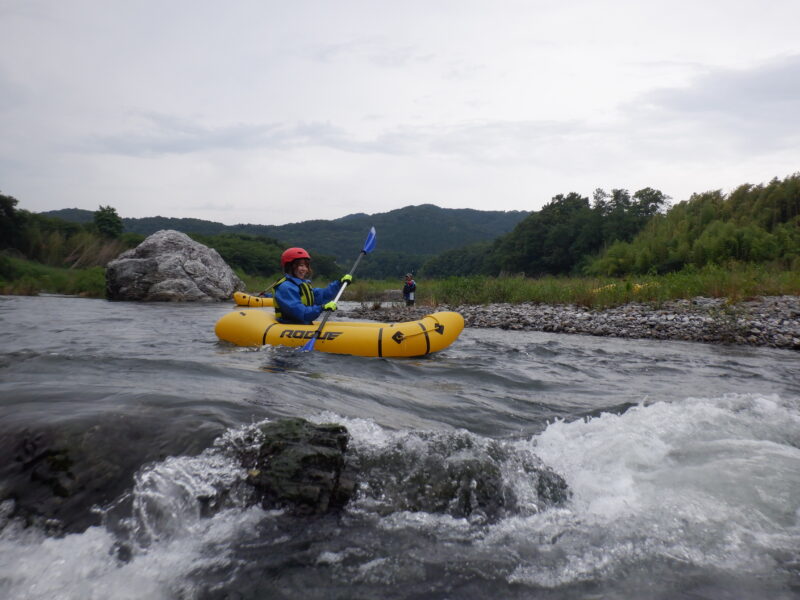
(767, 321)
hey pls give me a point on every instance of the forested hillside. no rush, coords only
(559, 238)
(55, 242)
(613, 234)
(618, 234)
(146, 225)
(407, 237)
(754, 223)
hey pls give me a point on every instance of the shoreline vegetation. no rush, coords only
(772, 321)
(737, 304)
(22, 277)
(710, 262)
(735, 282)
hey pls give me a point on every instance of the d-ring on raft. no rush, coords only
(257, 327)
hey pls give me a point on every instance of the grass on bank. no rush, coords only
(22, 277)
(735, 282)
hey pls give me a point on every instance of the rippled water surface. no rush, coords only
(682, 461)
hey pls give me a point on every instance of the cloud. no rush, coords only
(160, 134)
(334, 106)
(743, 92)
(153, 134)
(12, 95)
(732, 110)
(757, 108)
(375, 50)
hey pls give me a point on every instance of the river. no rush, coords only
(682, 461)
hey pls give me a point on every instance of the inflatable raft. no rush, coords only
(257, 327)
(243, 299)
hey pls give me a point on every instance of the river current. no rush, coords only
(682, 461)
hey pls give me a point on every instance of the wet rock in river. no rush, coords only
(308, 469)
(53, 476)
(301, 466)
(458, 475)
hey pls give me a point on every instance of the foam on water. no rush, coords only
(85, 566)
(167, 538)
(706, 485)
(702, 483)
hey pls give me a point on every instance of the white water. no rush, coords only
(712, 483)
(682, 460)
(704, 483)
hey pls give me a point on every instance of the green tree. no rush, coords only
(623, 215)
(10, 222)
(469, 260)
(754, 223)
(108, 222)
(551, 241)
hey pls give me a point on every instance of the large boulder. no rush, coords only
(170, 266)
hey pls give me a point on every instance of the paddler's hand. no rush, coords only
(348, 279)
(329, 306)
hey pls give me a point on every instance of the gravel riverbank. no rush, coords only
(767, 321)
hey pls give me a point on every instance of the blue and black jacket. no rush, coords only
(297, 302)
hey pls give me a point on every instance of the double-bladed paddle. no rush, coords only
(369, 246)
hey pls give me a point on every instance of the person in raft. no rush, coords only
(294, 299)
(409, 288)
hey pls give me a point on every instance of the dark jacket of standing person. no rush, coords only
(409, 289)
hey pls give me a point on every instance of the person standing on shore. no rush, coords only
(295, 300)
(409, 289)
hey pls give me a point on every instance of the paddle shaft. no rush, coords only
(369, 246)
(344, 283)
(310, 344)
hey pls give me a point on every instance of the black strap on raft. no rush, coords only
(306, 295)
(399, 337)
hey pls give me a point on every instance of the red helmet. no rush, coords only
(291, 255)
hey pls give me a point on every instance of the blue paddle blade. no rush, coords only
(369, 245)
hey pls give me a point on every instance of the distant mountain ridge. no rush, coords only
(407, 236)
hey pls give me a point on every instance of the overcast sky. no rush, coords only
(275, 112)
